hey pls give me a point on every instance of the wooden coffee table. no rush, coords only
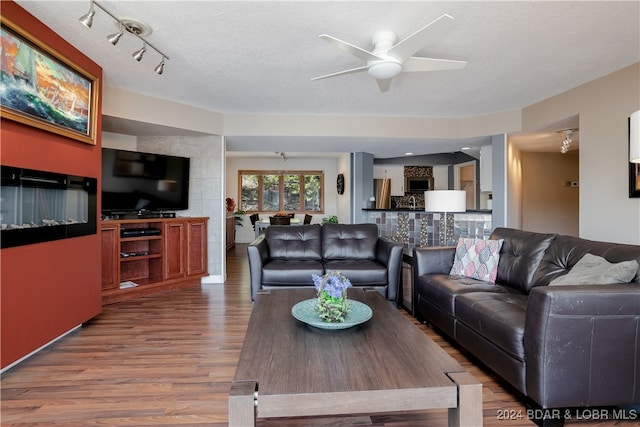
(290, 369)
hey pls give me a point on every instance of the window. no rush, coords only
(273, 191)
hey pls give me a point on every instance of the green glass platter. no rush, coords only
(305, 311)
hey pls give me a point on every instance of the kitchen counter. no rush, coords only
(415, 227)
(421, 209)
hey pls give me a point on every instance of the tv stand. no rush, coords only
(155, 255)
(141, 214)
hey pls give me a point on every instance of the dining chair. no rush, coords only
(307, 219)
(254, 218)
(280, 220)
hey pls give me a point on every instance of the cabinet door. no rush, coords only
(174, 250)
(231, 231)
(110, 257)
(197, 247)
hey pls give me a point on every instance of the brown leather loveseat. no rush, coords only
(286, 257)
(571, 346)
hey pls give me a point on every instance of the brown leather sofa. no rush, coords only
(287, 256)
(561, 346)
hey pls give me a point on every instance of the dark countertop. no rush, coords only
(422, 210)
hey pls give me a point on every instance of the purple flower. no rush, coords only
(334, 283)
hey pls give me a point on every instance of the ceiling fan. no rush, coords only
(388, 58)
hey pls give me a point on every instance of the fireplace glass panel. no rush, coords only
(39, 206)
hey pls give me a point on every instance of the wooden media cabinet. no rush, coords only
(166, 253)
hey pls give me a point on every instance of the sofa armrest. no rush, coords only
(389, 254)
(582, 345)
(432, 260)
(258, 252)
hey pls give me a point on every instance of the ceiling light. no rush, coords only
(114, 38)
(384, 69)
(137, 55)
(566, 142)
(408, 154)
(466, 148)
(160, 68)
(87, 20)
(131, 26)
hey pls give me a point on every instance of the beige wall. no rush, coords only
(548, 204)
(603, 106)
(329, 166)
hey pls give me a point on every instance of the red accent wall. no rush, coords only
(48, 288)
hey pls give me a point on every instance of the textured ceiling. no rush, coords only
(259, 56)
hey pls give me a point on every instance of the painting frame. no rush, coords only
(44, 89)
(634, 170)
(634, 179)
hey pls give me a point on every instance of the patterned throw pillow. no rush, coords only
(477, 259)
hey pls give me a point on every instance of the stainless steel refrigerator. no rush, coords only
(382, 193)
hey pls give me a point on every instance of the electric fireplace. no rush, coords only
(40, 206)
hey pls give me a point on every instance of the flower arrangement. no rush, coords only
(231, 204)
(332, 304)
(281, 213)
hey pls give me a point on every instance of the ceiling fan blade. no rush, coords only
(365, 55)
(342, 73)
(384, 84)
(431, 64)
(416, 41)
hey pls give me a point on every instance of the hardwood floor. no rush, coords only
(169, 360)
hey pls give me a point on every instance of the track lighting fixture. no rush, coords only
(137, 55)
(133, 27)
(87, 19)
(115, 38)
(566, 143)
(160, 68)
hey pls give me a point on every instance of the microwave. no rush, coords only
(418, 184)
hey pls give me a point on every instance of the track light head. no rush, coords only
(115, 37)
(160, 68)
(87, 20)
(137, 55)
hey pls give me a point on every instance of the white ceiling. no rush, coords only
(259, 57)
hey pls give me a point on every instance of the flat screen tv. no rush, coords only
(135, 181)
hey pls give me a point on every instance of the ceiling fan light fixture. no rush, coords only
(384, 69)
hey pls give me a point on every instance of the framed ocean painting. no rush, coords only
(41, 88)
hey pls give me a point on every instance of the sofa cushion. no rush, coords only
(566, 251)
(290, 272)
(499, 317)
(595, 270)
(361, 272)
(442, 289)
(349, 241)
(520, 256)
(477, 259)
(294, 242)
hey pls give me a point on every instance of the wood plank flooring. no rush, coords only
(169, 360)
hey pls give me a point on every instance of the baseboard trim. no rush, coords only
(11, 365)
(212, 279)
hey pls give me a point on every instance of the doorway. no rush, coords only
(465, 179)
